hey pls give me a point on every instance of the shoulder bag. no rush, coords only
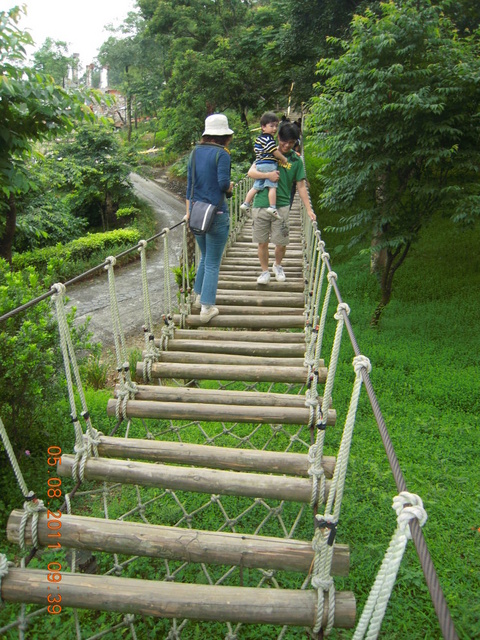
(202, 214)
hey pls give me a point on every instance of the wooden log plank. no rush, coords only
(234, 281)
(247, 322)
(295, 464)
(255, 292)
(172, 600)
(172, 543)
(211, 412)
(268, 349)
(247, 336)
(227, 372)
(259, 300)
(210, 481)
(225, 358)
(244, 310)
(222, 396)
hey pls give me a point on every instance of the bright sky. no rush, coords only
(79, 23)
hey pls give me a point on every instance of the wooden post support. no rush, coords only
(171, 600)
(201, 455)
(231, 483)
(188, 545)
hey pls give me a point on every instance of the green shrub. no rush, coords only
(79, 249)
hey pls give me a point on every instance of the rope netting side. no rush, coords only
(321, 578)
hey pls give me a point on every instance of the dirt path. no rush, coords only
(91, 297)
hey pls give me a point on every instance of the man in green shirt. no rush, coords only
(266, 228)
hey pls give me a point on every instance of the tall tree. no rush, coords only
(52, 59)
(398, 122)
(32, 109)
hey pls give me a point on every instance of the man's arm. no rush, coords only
(258, 175)
(305, 198)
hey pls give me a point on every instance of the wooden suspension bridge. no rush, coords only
(237, 421)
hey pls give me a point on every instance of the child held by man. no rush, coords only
(266, 157)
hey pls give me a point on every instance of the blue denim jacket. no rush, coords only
(212, 175)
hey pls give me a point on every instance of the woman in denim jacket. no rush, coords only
(212, 184)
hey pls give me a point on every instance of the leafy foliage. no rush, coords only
(93, 173)
(32, 109)
(394, 122)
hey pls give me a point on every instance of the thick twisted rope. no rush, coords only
(407, 506)
(32, 505)
(151, 351)
(316, 451)
(128, 388)
(166, 273)
(327, 523)
(83, 446)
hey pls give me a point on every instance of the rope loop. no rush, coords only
(59, 288)
(343, 306)
(31, 508)
(408, 506)
(361, 362)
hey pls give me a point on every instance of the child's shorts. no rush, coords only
(265, 167)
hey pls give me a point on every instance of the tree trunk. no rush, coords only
(6, 240)
(393, 261)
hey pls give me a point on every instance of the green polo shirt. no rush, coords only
(294, 172)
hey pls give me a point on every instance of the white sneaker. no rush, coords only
(273, 212)
(207, 313)
(264, 278)
(279, 273)
(197, 304)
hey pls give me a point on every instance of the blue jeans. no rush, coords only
(211, 247)
(265, 167)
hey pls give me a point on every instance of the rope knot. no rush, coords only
(4, 565)
(59, 288)
(166, 231)
(361, 362)
(342, 307)
(322, 583)
(142, 245)
(331, 275)
(111, 261)
(408, 506)
(325, 256)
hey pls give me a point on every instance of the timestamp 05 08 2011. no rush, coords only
(54, 524)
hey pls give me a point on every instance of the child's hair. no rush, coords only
(268, 117)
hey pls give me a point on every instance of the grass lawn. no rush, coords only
(425, 357)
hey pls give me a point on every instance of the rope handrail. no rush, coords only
(86, 274)
(431, 578)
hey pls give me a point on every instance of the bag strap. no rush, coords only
(192, 164)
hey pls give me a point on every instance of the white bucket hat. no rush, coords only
(217, 125)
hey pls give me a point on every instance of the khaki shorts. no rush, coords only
(266, 228)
